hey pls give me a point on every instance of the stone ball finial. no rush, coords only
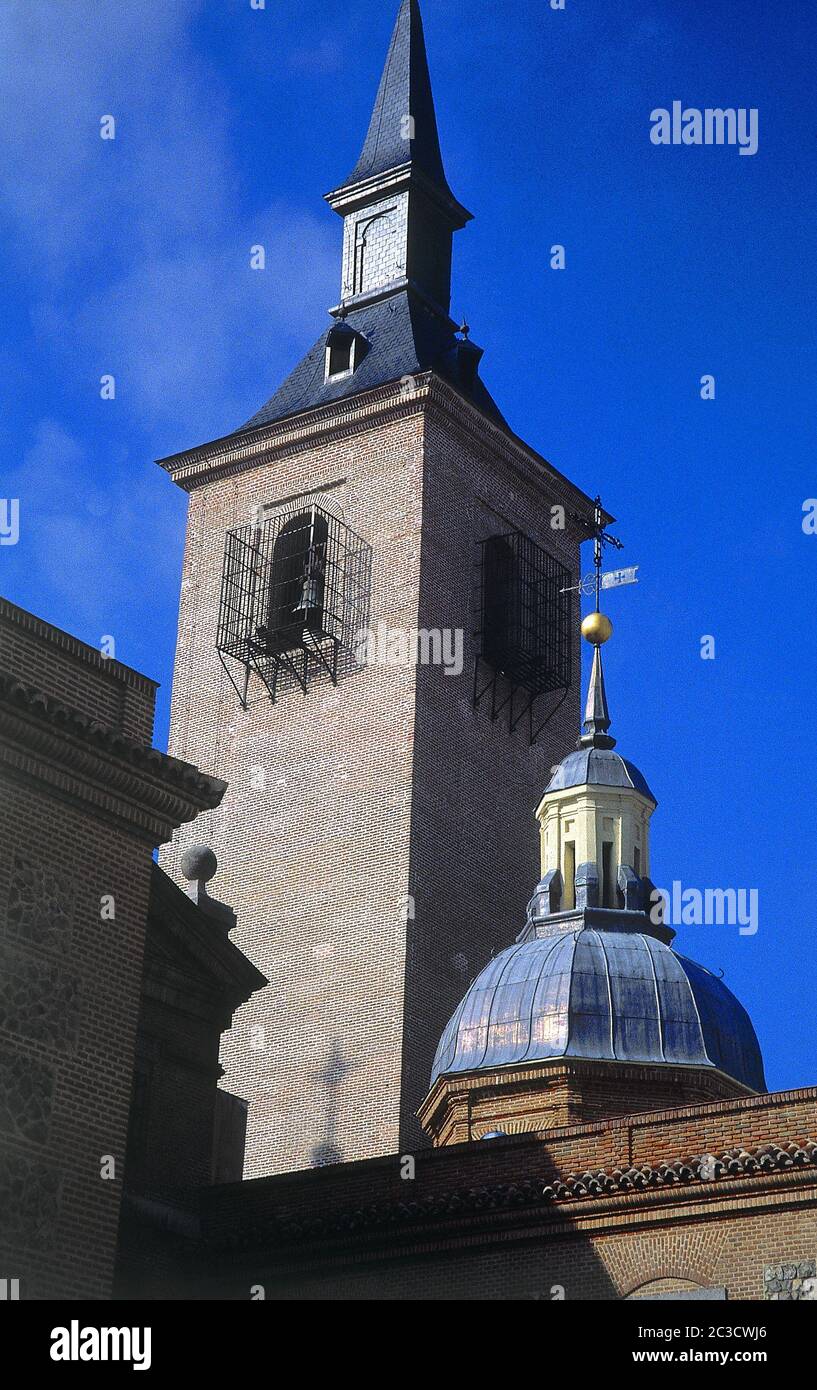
(198, 864)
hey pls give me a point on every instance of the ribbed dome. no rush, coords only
(600, 767)
(610, 995)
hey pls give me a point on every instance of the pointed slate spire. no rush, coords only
(596, 713)
(398, 210)
(404, 125)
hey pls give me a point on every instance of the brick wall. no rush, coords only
(75, 673)
(312, 837)
(474, 843)
(80, 812)
(712, 1233)
(390, 787)
(69, 998)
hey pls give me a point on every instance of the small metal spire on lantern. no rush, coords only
(596, 629)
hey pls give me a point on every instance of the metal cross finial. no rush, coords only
(601, 537)
(592, 584)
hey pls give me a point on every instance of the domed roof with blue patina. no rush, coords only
(611, 995)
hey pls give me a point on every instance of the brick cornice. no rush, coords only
(617, 1217)
(536, 1082)
(463, 1083)
(527, 1209)
(96, 767)
(89, 656)
(234, 453)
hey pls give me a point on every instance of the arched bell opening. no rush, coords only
(297, 582)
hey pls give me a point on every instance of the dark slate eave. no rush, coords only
(403, 337)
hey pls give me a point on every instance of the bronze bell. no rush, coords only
(310, 596)
(310, 600)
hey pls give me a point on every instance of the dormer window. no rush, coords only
(344, 349)
(339, 360)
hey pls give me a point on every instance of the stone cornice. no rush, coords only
(88, 763)
(344, 418)
(182, 925)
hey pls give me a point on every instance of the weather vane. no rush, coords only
(592, 584)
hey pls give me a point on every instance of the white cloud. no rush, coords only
(93, 533)
(183, 332)
(60, 182)
(148, 220)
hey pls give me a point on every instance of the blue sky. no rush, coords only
(131, 257)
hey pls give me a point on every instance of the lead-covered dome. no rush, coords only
(608, 995)
(598, 767)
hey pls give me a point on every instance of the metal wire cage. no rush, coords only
(525, 621)
(282, 605)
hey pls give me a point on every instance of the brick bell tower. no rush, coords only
(375, 652)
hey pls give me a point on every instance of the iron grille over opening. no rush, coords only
(282, 598)
(525, 625)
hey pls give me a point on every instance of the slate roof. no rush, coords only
(405, 90)
(600, 767)
(613, 995)
(403, 338)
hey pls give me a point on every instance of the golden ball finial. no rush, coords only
(597, 629)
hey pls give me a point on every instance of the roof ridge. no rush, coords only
(535, 1191)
